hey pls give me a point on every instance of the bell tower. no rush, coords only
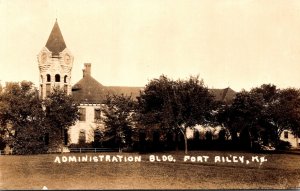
(55, 63)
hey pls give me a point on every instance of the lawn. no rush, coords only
(280, 171)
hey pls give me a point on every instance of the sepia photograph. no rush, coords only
(149, 94)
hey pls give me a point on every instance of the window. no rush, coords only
(82, 114)
(286, 134)
(42, 79)
(66, 89)
(48, 78)
(41, 90)
(81, 136)
(57, 78)
(48, 89)
(97, 138)
(97, 114)
(65, 79)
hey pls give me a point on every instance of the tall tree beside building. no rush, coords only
(262, 114)
(118, 118)
(61, 112)
(243, 116)
(22, 118)
(176, 105)
(282, 113)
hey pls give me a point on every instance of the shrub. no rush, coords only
(283, 145)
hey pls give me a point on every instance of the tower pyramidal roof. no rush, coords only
(56, 43)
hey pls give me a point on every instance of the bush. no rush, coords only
(81, 145)
(2, 143)
(27, 140)
(283, 145)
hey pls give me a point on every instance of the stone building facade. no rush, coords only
(287, 135)
(55, 63)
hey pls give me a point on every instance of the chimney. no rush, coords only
(87, 69)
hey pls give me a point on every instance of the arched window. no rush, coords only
(81, 136)
(82, 114)
(42, 79)
(97, 114)
(41, 90)
(57, 78)
(66, 89)
(97, 138)
(65, 79)
(48, 78)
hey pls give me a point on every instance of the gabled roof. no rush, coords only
(89, 90)
(56, 43)
(225, 95)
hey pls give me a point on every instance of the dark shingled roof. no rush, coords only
(128, 91)
(89, 90)
(225, 95)
(56, 43)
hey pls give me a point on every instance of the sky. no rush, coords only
(228, 43)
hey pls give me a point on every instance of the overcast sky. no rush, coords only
(240, 44)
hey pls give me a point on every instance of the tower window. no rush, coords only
(65, 79)
(66, 89)
(42, 79)
(48, 89)
(48, 78)
(41, 90)
(57, 78)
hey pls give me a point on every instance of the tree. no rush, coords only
(242, 116)
(61, 112)
(194, 105)
(262, 114)
(21, 118)
(175, 105)
(118, 117)
(283, 113)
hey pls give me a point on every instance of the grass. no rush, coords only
(281, 171)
